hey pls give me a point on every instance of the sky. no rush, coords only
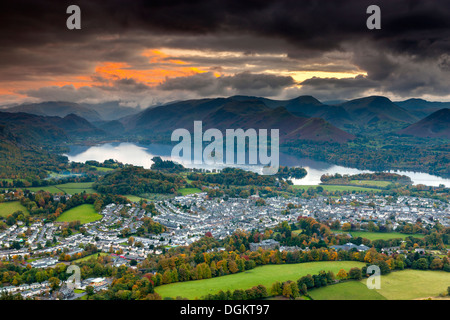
(145, 53)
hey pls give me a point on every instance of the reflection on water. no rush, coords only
(139, 155)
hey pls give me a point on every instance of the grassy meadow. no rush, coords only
(265, 275)
(7, 208)
(133, 198)
(352, 290)
(84, 213)
(380, 235)
(186, 191)
(69, 188)
(399, 285)
(369, 183)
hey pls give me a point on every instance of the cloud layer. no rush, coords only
(147, 52)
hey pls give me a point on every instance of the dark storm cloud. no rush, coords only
(64, 93)
(326, 88)
(108, 90)
(407, 25)
(125, 84)
(207, 84)
(414, 40)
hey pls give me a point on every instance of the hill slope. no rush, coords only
(422, 108)
(232, 113)
(375, 109)
(436, 125)
(32, 129)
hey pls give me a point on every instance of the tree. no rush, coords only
(287, 290)
(342, 274)
(308, 280)
(90, 290)
(421, 264)
(372, 227)
(346, 227)
(54, 283)
(294, 289)
(355, 273)
(304, 289)
(336, 225)
(371, 255)
(276, 289)
(239, 295)
(232, 266)
(167, 277)
(436, 264)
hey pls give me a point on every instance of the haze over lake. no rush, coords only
(140, 155)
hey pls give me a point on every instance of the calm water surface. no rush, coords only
(140, 155)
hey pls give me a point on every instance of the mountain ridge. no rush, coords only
(436, 125)
(231, 113)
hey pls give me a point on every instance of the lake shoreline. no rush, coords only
(141, 155)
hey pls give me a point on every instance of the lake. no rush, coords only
(140, 155)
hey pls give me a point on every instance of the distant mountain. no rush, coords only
(436, 125)
(333, 102)
(106, 111)
(376, 109)
(34, 129)
(314, 108)
(304, 117)
(57, 109)
(306, 106)
(422, 108)
(164, 119)
(114, 127)
(291, 127)
(76, 126)
(232, 113)
(372, 110)
(112, 110)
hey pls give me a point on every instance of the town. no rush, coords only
(188, 218)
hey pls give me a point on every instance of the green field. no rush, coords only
(7, 208)
(352, 290)
(369, 183)
(332, 188)
(380, 235)
(186, 191)
(413, 284)
(51, 189)
(85, 213)
(103, 169)
(72, 188)
(399, 285)
(69, 188)
(265, 275)
(135, 198)
(95, 255)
